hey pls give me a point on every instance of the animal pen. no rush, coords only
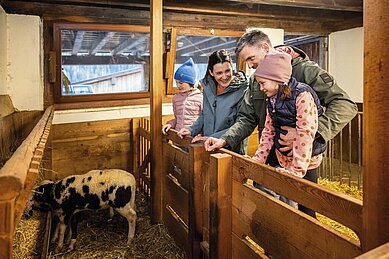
(206, 200)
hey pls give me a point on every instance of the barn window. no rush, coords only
(101, 62)
(198, 45)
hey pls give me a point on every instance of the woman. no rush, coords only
(222, 95)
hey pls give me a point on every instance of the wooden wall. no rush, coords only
(14, 128)
(83, 146)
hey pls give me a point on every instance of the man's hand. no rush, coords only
(287, 140)
(166, 128)
(198, 138)
(214, 143)
(183, 132)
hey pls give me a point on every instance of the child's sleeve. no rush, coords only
(173, 121)
(306, 127)
(266, 141)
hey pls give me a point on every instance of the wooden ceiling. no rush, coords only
(294, 16)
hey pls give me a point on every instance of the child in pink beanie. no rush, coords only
(289, 103)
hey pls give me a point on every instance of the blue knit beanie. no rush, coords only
(186, 72)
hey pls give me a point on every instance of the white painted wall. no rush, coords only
(25, 59)
(3, 52)
(345, 56)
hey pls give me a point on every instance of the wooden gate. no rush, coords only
(181, 192)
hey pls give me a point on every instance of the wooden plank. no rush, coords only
(273, 224)
(220, 206)
(319, 4)
(381, 252)
(91, 128)
(199, 161)
(177, 229)
(340, 207)
(7, 225)
(13, 173)
(177, 198)
(241, 248)
(156, 85)
(375, 133)
(177, 163)
(170, 61)
(172, 135)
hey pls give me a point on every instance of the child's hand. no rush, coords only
(166, 128)
(183, 132)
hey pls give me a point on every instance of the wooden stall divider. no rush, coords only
(17, 178)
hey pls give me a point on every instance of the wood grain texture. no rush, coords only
(375, 130)
(273, 225)
(340, 207)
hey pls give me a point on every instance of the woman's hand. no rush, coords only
(198, 138)
(166, 128)
(183, 132)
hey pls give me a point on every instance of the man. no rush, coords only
(252, 47)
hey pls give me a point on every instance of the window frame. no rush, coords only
(58, 97)
(171, 54)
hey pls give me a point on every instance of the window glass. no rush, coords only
(199, 48)
(104, 62)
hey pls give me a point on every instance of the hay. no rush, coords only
(102, 237)
(345, 189)
(26, 237)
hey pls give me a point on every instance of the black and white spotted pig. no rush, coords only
(97, 189)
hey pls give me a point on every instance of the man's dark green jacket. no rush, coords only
(339, 108)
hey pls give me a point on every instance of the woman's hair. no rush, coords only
(219, 56)
(285, 91)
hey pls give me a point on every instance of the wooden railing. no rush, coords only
(209, 196)
(17, 178)
(143, 151)
(343, 158)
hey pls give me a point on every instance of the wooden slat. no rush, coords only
(273, 224)
(340, 207)
(177, 198)
(241, 248)
(13, 173)
(220, 206)
(176, 229)
(172, 135)
(144, 133)
(7, 225)
(177, 163)
(381, 252)
(156, 85)
(375, 129)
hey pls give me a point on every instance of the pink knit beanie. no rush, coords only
(276, 66)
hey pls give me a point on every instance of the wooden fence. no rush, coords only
(17, 178)
(210, 205)
(143, 152)
(212, 209)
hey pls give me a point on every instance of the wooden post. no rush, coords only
(156, 87)
(375, 129)
(220, 243)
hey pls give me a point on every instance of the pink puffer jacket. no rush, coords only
(186, 107)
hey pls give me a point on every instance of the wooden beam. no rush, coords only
(297, 20)
(78, 42)
(156, 87)
(375, 130)
(100, 42)
(345, 5)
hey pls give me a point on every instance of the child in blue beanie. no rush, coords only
(188, 103)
